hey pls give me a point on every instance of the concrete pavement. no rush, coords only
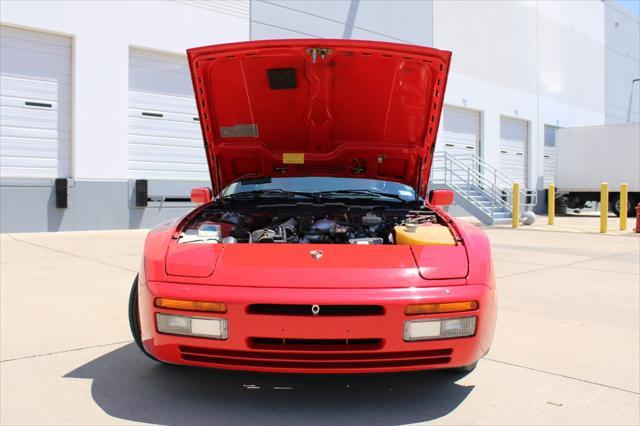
(566, 349)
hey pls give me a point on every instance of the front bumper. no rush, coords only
(332, 344)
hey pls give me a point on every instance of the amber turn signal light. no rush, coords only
(188, 305)
(440, 308)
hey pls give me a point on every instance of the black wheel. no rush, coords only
(633, 201)
(134, 319)
(561, 206)
(614, 203)
(465, 369)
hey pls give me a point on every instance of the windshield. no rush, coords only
(322, 184)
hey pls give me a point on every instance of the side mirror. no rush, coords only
(441, 197)
(200, 195)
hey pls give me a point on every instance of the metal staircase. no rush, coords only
(480, 188)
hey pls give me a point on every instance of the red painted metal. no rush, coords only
(441, 197)
(388, 327)
(362, 109)
(357, 109)
(342, 265)
(354, 275)
(200, 195)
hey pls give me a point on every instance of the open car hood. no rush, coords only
(314, 107)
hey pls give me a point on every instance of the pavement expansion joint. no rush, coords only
(561, 375)
(65, 351)
(70, 254)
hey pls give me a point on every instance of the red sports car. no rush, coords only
(317, 250)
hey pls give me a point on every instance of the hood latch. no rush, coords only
(314, 51)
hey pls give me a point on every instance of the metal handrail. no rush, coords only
(485, 166)
(469, 180)
(528, 197)
(467, 173)
(494, 200)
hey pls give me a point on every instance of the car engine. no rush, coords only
(323, 226)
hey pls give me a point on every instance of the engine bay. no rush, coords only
(317, 224)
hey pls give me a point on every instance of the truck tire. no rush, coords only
(561, 206)
(633, 201)
(614, 202)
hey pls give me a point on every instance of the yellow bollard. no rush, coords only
(551, 201)
(624, 205)
(515, 219)
(604, 206)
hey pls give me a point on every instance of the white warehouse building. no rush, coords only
(99, 128)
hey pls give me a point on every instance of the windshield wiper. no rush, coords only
(360, 193)
(340, 193)
(269, 193)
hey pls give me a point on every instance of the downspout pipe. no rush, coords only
(634, 81)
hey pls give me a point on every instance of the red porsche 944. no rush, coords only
(317, 249)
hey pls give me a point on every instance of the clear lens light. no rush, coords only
(439, 329)
(215, 328)
(457, 327)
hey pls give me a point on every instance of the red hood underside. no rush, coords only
(317, 107)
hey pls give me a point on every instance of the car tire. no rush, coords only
(465, 369)
(134, 319)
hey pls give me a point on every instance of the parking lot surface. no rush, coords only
(566, 348)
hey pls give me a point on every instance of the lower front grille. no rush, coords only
(286, 344)
(334, 361)
(315, 310)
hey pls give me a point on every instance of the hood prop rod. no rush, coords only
(417, 192)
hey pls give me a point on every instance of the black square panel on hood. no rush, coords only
(282, 78)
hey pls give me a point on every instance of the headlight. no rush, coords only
(213, 328)
(439, 328)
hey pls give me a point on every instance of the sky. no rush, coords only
(632, 6)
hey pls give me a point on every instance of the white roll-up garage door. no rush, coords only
(460, 134)
(165, 140)
(514, 142)
(35, 104)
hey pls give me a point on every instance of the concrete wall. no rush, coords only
(560, 63)
(402, 21)
(622, 40)
(102, 34)
(542, 62)
(29, 205)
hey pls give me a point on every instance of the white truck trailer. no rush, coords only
(589, 156)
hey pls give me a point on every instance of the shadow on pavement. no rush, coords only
(127, 385)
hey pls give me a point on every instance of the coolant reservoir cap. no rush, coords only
(411, 227)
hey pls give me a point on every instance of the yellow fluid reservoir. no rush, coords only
(427, 234)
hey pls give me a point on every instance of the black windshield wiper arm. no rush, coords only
(367, 193)
(269, 193)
